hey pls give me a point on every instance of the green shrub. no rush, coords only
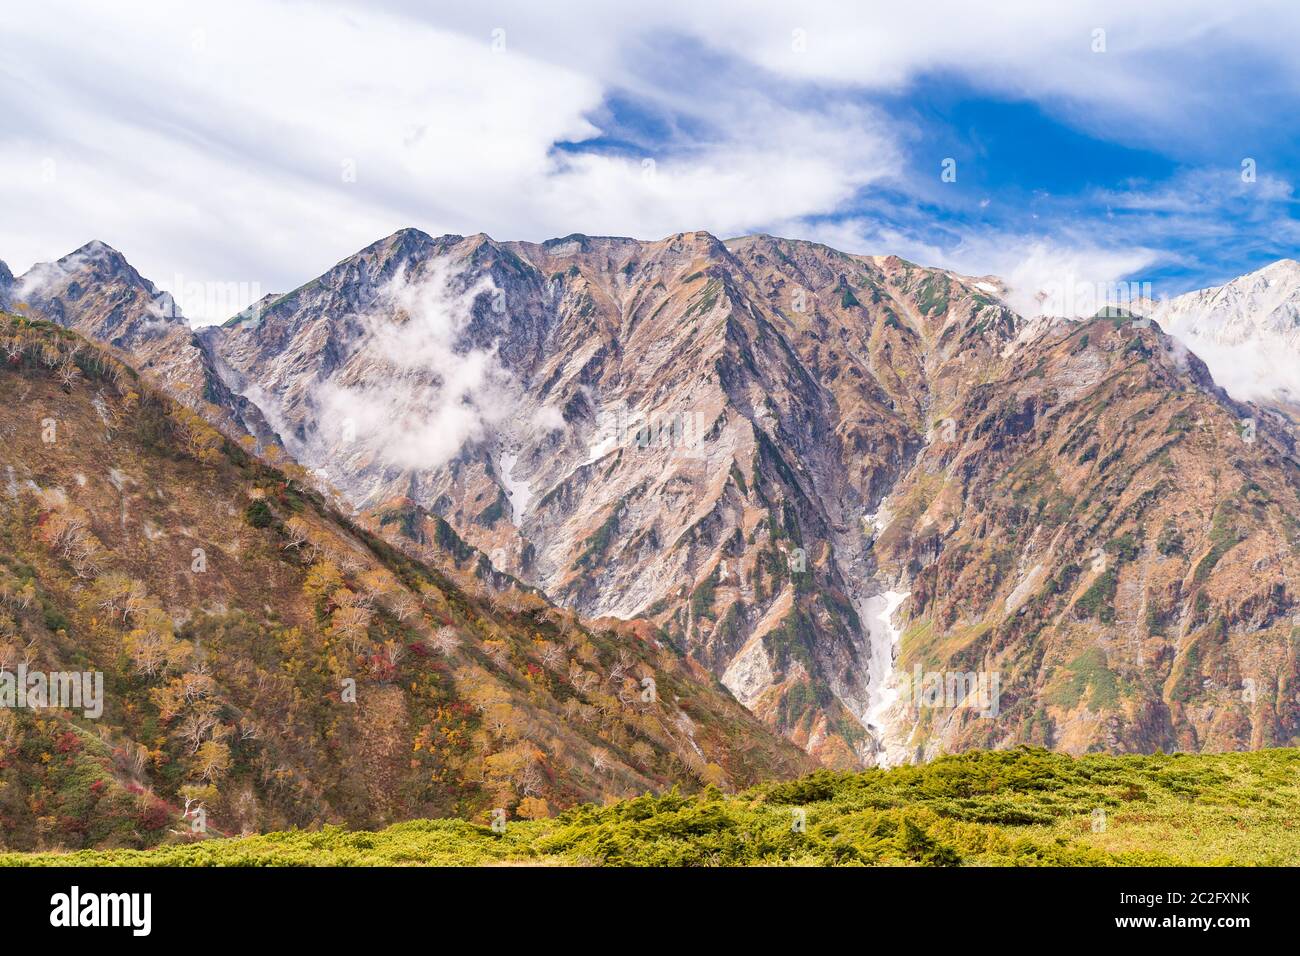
(258, 514)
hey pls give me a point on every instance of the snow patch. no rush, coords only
(1024, 589)
(600, 449)
(884, 641)
(749, 673)
(519, 492)
(875, 522)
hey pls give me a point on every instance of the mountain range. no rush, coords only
(830, 481)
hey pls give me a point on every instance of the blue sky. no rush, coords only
(1027, 168)
(1039, 169)
(239, 148)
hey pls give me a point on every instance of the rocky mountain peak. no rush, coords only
(101, 254)
(1247, 330)
(97, 291)
(799, 465)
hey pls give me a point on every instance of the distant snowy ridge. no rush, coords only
(1247, 331)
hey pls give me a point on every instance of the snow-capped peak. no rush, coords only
(1247, 331)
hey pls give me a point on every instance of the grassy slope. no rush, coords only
(1022, 807)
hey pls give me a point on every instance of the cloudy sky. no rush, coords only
(237, 148)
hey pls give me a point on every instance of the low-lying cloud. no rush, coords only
(413, 393)
(1258, 370)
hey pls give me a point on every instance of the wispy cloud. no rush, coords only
(411, 394)
(1040, 274)
(248, 144)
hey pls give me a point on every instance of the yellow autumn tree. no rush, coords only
(322, 578)
(533, 808)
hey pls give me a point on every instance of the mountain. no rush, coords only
(96, 292)
(1247, 331)
(1114, 537)
(865, 494)
(270, 661)
(685, 430)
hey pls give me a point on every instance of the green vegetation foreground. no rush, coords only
(1021, 807)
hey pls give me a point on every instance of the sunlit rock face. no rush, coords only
(815, 472)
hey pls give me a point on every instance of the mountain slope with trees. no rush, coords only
(272, 664)
(804, 468)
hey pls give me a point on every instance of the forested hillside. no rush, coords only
(267, 663)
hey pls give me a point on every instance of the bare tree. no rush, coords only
(196, 728)
(498, 652)
(404, 606)
(552, 658)
(619, 670)
(68, 374)
(352, 624)
(530, 780)
(445, 641)
(295, 530)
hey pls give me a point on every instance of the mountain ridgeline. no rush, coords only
(845, 486)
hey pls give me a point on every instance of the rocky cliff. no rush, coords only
(832, 480)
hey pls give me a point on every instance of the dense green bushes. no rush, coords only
(1022, 807)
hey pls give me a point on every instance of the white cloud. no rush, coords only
(1069, 275)
(47, 276)
(782, 164)
(245, 145)
(425, 394)
(1260, 370)
(548, 418)
(1052, 278)
(217, 142)
(1161, 65)
(220, 144)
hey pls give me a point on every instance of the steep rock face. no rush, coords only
(685, 430)
(1113, 537)
(361, 369)
(97, 293)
